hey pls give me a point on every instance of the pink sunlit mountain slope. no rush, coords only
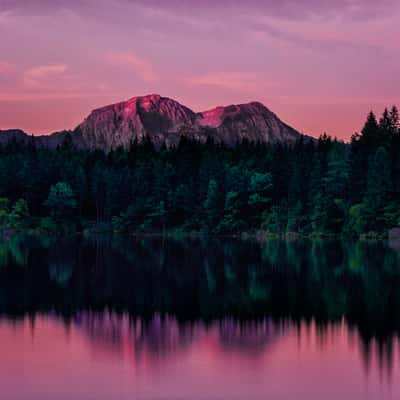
(164, 121)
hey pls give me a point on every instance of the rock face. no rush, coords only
(152, 117)
(164, 121)
(252, 121)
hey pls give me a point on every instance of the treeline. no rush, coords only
(322, 187)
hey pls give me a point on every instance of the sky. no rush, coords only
(320, 65)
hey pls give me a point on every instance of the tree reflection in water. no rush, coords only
(164, 295)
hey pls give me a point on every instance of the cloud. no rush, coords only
(227, 80)
(39, 7)
(142, 67)
(37, 77)
(288, 9)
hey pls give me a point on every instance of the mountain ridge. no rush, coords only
(164, 121)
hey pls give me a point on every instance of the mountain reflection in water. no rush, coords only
(108, 354)
(164, 335)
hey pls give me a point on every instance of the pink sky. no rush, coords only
(321, 65)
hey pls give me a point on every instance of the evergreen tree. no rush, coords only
(335, 188)
(19, 213)
(4, 210)
(394, 120)
(361, 148)
(386, 129)
(378, 190)
(61, 201)
(319, 215)
(259, 195)
(212, 206)
(232, 220)
(370, 136)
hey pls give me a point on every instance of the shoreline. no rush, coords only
(259, 236)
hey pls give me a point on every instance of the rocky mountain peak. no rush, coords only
(164, 121)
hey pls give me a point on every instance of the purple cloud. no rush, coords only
(287, 9)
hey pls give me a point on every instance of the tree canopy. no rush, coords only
(322, 186)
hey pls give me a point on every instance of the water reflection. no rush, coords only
(157, 302)
(146, 357)
(161, 336)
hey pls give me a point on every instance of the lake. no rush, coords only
(117, 317)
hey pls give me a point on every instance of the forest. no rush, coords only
(321, 187)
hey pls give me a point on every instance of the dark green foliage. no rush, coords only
(313, 187)
(232, 220)
(61, 201)
(15, 217)
(19, 211)
(4, 210)
(212, 206)
(378, 191)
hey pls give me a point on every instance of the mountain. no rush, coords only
(165, 121)
(252, 121)
(51, 141)
(11, 135)
(155, 117)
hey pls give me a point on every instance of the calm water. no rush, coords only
(122, 318)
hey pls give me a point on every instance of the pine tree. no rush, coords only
(385, 127)
(259, 196)
(232, 220)
(361, 148)
(378, 191)
(213, 206)
(394, 121)
(370, 133)
(319, 215)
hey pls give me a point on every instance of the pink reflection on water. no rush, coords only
(105, 355)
